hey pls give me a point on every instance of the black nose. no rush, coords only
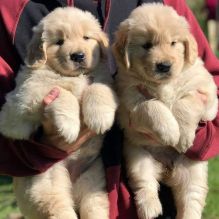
(77, 57)
(163, 67)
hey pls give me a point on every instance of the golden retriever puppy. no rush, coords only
(68, 51)
(159, 79)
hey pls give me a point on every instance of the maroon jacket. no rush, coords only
(23, 158)
(211, 6)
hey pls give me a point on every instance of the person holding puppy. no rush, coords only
(23, 158)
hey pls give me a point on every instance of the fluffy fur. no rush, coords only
(77, 184)
(159, 79)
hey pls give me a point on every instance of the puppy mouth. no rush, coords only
(162, 76)
(156, 75)
(81, 67)
(76, 69)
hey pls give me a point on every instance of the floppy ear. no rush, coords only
(104, 43)
(120, 47)
(36, 50)
(191, 49)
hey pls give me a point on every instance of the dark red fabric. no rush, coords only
(6, 78)
(126, 203)
(17, 158)
(121, 202)
(11, 14)
(113, 179)
(211, 6)
(70, 2)
(107, 13)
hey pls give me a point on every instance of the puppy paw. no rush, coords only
(148, 206)
(185, 141)
(64, 114)
(169, 139)
(99, 119)
(98, 107)
(68, 127)
(168, 134)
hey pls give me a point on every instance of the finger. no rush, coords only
(84, 131)
(51, 96)
(82, 138)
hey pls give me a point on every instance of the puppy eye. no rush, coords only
(60, 42)
(173, 43)
(86, 38)
(147, 46)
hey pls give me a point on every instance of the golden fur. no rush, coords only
(77, 184)
(159, 79)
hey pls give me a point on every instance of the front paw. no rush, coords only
(168, 134)
(68, 127)
(99, 118)
(171, 138)
(148, 205)
(98, 107)
(185, 141)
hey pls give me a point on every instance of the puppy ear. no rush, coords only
(191, 49)
(120, 47)
(36, 51)
(104, 43)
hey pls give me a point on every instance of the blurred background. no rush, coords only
(207, 14)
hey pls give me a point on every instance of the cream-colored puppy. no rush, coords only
(159, 79)
(68, 50)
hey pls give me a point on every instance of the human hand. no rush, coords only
(51, 136)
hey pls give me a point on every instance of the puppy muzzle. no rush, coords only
(78, 57)
(163, 67)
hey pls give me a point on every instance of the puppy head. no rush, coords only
(69, 41)
(154, 43)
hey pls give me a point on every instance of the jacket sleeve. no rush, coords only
(24, 158)
(206, 143)
(18, 158)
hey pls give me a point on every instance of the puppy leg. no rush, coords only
(98, 107)
(143, 174)
(151, 115)
(65, 113)
(155, 116)
(90, 190)
(46, 196)
(187, 112)
(190, 188)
